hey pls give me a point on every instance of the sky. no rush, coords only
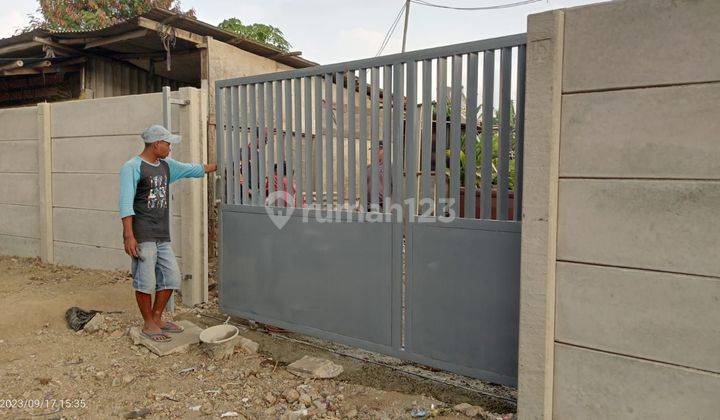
(330, 31)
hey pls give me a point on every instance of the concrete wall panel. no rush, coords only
(669, 132)
(641, 43)
(125, 115)
(102, 155)
(597, 385)
(86, 191)
(19, 220)
(18, 123)
(636, 312)
(661, 225)
(16, 245)
(18, 156)
(88, 256)
(19, 188)
(98, 228)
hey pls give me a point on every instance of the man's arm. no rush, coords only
(129, 176)
(129, 237)
(180, 170)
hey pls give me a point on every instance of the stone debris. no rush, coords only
(295, 415)
(229, 414)
(97, 323)
(315, 367)
(180, 343)
(291, 395)
(247, 345)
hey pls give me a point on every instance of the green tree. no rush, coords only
(83, 15)
(260, 32)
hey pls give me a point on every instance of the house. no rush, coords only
(138, 55)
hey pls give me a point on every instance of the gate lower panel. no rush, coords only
(332, 280)
(463, 297)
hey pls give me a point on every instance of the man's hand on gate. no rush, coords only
(210, 167)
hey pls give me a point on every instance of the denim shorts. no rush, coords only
(155, 268)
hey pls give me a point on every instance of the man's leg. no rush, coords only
(167, 274)
(144, 281)
(144, 301)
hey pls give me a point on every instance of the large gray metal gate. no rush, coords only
(357, 205)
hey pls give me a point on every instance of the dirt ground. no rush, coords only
(103, 375)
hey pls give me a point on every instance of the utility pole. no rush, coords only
(407, 16)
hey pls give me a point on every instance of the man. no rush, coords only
(144, 193)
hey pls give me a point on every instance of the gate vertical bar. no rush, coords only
(228, 147)
(456, 82)
(352, 167)
(270, 139)
(308, 141)
(275, 142)
(441, 134)
(284, 147)
(426, 148)
(318, 141)
(329, 188)
(504, 134)
(220, 143)
(244, 143)
(410, 141)
(387, 134)
(262, 138)
(297, 173)
(487, 135)
(286, 168)
(471, 134)
(362, 134)
(519, 132)
(396, 188)
(233, 146)
(253, 152)
(374, 136)
(340, 140)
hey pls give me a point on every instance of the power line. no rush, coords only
(390, 31)
(493, 7)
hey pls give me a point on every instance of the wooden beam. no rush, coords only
(77, 41)
(286, 54)
(51, 43)
(18, 47)
(11, 66)
(117, 38)
(179, 33)
(28, 71)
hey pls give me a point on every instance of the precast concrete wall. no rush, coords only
(620, 300)
(59, 181)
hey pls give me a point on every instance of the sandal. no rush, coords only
(158, 337)
(172, 327)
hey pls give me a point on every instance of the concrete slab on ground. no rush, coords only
(179, 344)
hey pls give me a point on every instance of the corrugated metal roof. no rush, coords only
(177, 20)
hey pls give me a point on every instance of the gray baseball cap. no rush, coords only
(158, 132)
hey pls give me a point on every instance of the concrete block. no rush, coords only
(18, 123)
(668, 132)
(86, 191)
(88, 256)
(660, 225)
(641, 43)
(597, 385)
(19, 189)
(180, 342)
(102, 155)
(660, 316)
(98, 228)
(122, 115)
(18, 156)
(19, 220)
(19, 246)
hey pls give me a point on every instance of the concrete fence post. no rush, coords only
(193, 202)
(540, 202)
(45, 198)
